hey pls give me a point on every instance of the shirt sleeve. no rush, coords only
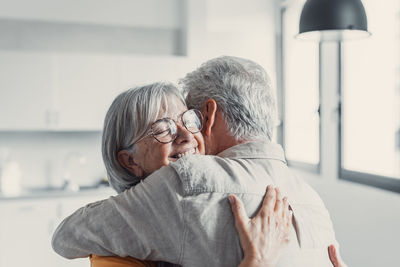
(144, 222)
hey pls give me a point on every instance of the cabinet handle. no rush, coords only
(47, 118)
(52, 118)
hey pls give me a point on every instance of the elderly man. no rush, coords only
(236, 99)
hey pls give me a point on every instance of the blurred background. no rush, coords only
(63, 61)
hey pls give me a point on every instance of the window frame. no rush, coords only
(374, 180)
(334, 164)
(310, 167)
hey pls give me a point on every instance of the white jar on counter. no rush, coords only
(10, 179)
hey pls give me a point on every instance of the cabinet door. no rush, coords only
(25, 232)
(25, 90)
(27, 226)
(86, 86)
(66, 206)
(137, 70)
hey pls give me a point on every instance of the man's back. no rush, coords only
(209, 235)
(180, 214)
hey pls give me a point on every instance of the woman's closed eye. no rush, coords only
(163, 133)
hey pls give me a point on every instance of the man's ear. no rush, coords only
(209, 113)
(127, 160)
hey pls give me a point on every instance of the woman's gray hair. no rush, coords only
(128, 118)
(242, 90)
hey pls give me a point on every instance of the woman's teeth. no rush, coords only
(189, 152)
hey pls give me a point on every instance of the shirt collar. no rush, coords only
(255, 150)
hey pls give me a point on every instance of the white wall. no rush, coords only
(138, 13)
(234, 28)
(366, 220)
(245, 30)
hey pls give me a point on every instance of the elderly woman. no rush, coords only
(146, 128)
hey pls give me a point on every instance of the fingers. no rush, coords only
(241, 222)
(285, 208)
(273, 207)
(266, 234)
(278, 201)
(238, 212)
(286, 216)
(333, 256)
(269, 201)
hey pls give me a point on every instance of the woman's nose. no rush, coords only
(184, 135)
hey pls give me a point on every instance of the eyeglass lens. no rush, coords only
(165, 130)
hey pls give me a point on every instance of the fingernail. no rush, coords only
(231, 199)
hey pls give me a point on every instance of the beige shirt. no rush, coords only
(180, 214)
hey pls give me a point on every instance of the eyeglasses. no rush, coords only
(166, 131)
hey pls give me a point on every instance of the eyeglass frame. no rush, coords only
(167, 118)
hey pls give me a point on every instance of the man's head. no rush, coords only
(236, 98)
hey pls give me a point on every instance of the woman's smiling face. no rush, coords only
(150, 155)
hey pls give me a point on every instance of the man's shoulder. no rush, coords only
(197, 172)
(208, 174)
(189, 172)
(196, 163)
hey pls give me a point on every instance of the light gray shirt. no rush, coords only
(180, 213)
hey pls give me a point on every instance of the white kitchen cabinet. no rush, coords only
(87, 84)
(26, 233)
(27, 225)
(85, 87)
(58, 92)
(60, 70)
(25, 90)
(137, 70)
(72, 91)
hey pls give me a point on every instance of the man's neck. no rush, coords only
(227, 142)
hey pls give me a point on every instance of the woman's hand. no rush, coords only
(263, 237)
(335, 258)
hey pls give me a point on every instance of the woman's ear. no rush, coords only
(127, 160)
(209, 112)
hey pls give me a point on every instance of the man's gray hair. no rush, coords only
(128, 118)
(242, 90)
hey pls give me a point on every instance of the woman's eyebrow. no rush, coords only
(168, 117)
(178, 116)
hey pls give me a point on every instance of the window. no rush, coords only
(370, 148)
(301, 97)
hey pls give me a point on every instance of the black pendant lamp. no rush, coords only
(333, 20)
